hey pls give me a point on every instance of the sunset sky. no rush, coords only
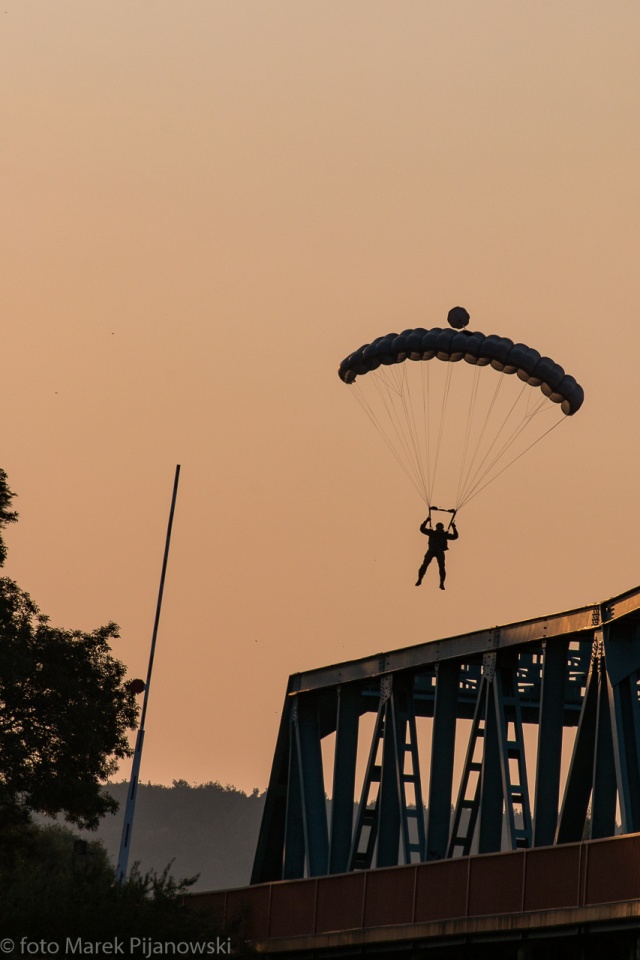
(207, 204)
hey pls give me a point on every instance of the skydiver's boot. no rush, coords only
(418, 583)
(442, 584)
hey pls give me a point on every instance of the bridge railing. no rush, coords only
(545, 886)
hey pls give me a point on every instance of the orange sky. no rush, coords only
(206, 206)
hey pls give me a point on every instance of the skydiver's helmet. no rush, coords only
(439, 526)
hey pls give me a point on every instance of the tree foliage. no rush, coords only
(7, 515)
(64, 709)
(54, 886)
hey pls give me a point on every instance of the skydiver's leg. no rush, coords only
(443, 572)
(428, 557)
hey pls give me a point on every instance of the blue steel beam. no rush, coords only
(465, 646)
(294, 839)
(552, 700)
(604, 793)
(443, 741)
(314, 808)
(388, 800)
(622, 650)
(344, 776)
(491, 785)
(268, 863)
(625, 713)
(579, 783)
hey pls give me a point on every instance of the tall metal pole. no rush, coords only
(127, 827)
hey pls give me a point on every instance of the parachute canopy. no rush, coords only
(424, 411)
(446, 344)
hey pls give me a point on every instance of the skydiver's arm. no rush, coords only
(426, 526)
(454, 535)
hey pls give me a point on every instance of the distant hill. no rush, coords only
(208, 830)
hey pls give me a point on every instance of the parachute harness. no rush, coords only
(453, 513)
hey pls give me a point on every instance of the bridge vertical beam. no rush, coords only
(268, 862)
(625, 715)
(389, 799)
(491, 788)
(443, 742)
(344, 777)
(293, 866)
(580, 777)
(314, 808)
(622, 648)
(551, 725)
(603, 802)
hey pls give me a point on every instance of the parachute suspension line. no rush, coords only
(447, 388)
(467, 436)
(405, 421)
(553, 426)
(425, 381)
(390, 390)
(480, 474)
(410, 414)
(358, 394)
(405, 418)
(471, 479)
(480, 438)
(497, 457)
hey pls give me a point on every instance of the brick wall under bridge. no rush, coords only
(572, 900)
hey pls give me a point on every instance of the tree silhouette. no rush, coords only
(6, 514)
(64, 709)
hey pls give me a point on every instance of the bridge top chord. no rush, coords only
(580, 620)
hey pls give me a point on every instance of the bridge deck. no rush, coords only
(515, 895)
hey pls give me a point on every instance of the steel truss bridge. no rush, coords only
(575, 669)
(579, 669)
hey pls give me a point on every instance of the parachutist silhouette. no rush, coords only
(437, 546)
